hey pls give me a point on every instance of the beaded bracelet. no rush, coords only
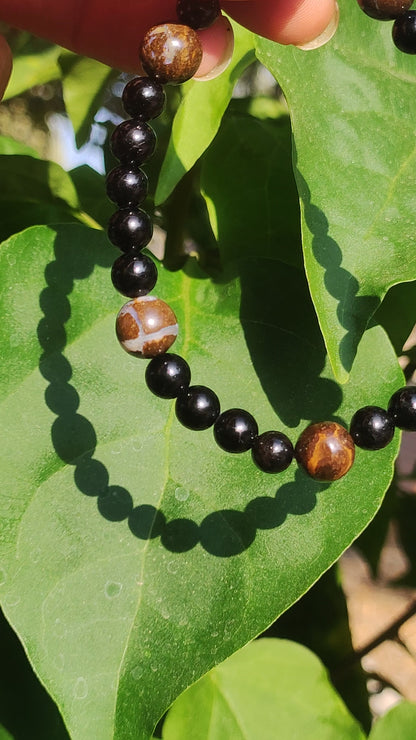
(146, 326)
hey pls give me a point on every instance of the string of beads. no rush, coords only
(146, 326)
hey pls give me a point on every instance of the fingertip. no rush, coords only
(217, 49)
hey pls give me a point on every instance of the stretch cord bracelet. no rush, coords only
(146, 326)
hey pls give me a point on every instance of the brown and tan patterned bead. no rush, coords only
(325, 450)
(146, 326)
(171, 52)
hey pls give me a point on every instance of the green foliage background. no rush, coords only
(135, 555)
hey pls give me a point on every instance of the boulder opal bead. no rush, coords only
(146, 326)
(384, 10)
(325, 450)
(171, 52)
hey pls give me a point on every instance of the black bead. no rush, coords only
(404, 32)
(197, 407)
(126, 186)
(272, 452)
(372, 428)
(197, 13)
(133, 141)
(143, 98)
(129, 229)
(384, 10)
(402, 408)
(134, 274)
(235, 430)
(167, 375)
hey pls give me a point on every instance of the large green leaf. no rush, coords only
(400, 722)
(135, 554)
(241, 195)
(34, 67)
(353, 107)
(199, 116)
(273, 690)
(36, 191)
(4, 735)
(84, 82)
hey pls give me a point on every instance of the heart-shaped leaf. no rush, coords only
(271, 689)
(353, 107)
(135, 554)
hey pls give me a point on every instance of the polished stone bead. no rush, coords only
(197, 407)
(235, 430)
(167, 375)
(384, 10)
(126, 186)
(171, 52)
(404, 32)
(146, 327)
(272, 452)
(402, 408)
(129, 229)
(133, 141)
(143, 98)
(134, 274)
(325, 450)
(372, 428)
(198, 14)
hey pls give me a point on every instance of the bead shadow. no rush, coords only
(353, 311)
(223, 533)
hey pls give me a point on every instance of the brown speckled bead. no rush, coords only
(171, 52)
(384, 10)
(325, 450)
(146, 326)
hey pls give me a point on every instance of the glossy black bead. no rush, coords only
(197, 407)
(384, 10)
(404, 32)
(133, 142)
(372, 428)
(235, 430)
(272, 452)
(402, 408)
(126, 186)
(143, 98)
(134, 274)
(129, 229)
(167, 375)
(197, 13)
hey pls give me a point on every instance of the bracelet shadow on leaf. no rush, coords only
(226, 532)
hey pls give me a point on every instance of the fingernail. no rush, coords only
(326, 34)
(218, 46)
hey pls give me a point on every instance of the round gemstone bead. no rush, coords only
(167, 375)
(235, 430)
(171, 52)
(146, 327)
(198, 13)
(134, 275)
(197, 407)
(129, 229)
(402, 408)
(325, 450)
(126, 186)
(404, 32)
(133, 141)
(143, 98)
(372, 428)
(384, 10)
(272, 452)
